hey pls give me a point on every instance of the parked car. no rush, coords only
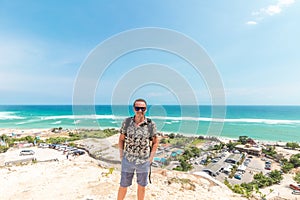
(52, 146)
(43, 145)
(215, 160)
(62, 148)
(70, 149)
(296, 192)
(268, 167)
(154, 164)
(26, 152)
(203, 162)
(78, 152)
(295, 187)
(238, 176)
(268, 162)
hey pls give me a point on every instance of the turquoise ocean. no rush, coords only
(271, 123)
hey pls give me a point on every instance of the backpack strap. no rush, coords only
(127, 122)
(150, 128)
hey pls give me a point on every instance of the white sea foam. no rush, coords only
(176, 119)
(77, 122)
(28, 121)
(242, 120)
(9, 115)
(56, 122)
(83, 117)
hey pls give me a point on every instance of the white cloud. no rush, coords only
(251, 23)
(270, 10)
(286, 2)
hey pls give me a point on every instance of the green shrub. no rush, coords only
(3, 149)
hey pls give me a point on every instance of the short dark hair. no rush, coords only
(143, 100)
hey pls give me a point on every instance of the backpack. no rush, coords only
(150, 129)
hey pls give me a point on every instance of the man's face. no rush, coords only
(140, 108)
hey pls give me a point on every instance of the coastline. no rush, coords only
(46, 132)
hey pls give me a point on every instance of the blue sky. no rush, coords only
(253, 44)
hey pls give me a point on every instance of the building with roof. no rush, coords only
(250, 149)
(234, 158)
(213, 169)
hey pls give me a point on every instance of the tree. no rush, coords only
(292, 145)
(270, 151)
(297, 177)
(286, 167)
(243, 139)
(29, 139)
(163, 141)
(295, 161)
(276, 176)
(231, 145)
(172, 136)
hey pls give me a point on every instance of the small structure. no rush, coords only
(241, 168)
(234, 158)
(227, 169)
(213, 169)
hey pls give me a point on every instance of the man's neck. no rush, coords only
(139, 119)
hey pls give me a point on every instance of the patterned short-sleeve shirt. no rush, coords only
(137, 140)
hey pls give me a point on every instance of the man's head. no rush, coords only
(140, 106)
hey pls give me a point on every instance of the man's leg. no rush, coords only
(142, 179)
(141, 192)
(122, 193)
(127, 172)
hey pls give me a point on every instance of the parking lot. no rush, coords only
(254, 165)
(40, 154)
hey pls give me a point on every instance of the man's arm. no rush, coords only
(155, 143)
(121, 144)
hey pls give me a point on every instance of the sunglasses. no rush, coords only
(140, 108)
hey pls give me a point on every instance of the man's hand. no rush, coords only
(151, 159)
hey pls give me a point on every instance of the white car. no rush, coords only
(26, 152)
(43, 145)
(154, 164)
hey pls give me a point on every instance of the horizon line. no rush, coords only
(148, 105)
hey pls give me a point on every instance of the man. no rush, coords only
(136, 151)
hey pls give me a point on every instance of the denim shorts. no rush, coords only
(127, 173)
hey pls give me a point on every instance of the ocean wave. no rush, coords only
(56, 122)
(83, 117)
(27, 122)
(167, 118)
(241, 120)
(9, 115)
(77, 122)
(178, 119)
